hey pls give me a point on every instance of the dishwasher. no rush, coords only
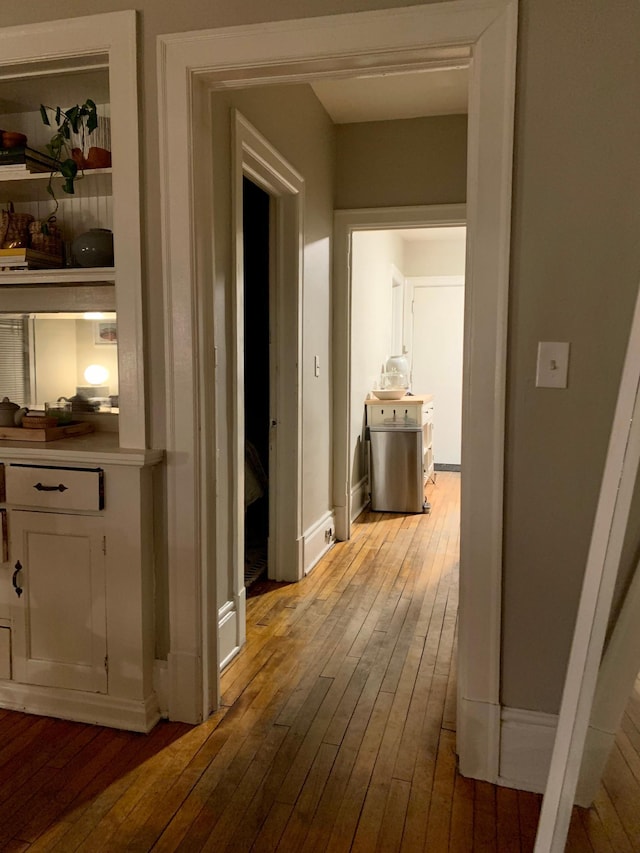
(396, 466)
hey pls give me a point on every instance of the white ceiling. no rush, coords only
(395, 96)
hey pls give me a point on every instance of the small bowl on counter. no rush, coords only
(389, 393)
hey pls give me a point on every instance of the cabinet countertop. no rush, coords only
(411, 398)
(97, 448)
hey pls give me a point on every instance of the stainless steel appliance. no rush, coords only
(396, 467)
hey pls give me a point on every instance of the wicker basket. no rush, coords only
(38, 422)
(45, 236)
(14, 228)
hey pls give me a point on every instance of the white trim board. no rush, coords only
(317, 540)
(189, 65)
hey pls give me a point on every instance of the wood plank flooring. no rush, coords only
(336, 731)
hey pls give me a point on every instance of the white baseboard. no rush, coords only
(359, 497)
(316, 540)
(478, 739)
(526, 744)
(96, 708)
(161, 685)
(228, 633)
(185, 687)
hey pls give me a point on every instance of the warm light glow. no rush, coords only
(96, 374)
(93, 315)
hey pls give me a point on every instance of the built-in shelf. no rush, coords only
(32, 186)
(58, 277)
(99, 296)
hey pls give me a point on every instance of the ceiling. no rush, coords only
(392, 96)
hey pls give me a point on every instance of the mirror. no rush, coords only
(44, 356)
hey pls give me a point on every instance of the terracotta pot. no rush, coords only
(98, 158)
(13, 139)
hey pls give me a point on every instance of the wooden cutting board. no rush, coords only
(46, 434)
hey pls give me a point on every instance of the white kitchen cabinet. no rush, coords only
(416, 408)
(59, 606)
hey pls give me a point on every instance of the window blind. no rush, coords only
(14, 360)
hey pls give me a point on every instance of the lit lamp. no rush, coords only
(95, 375)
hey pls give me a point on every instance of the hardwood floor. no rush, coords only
(337, 731)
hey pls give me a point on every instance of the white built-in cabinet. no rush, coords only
(76, 552)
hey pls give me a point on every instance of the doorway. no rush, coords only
(257, 378)
(190, 65)
(407, 298)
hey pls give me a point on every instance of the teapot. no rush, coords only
(11, 414)
(79, 403)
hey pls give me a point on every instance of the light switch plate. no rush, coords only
(553, 364)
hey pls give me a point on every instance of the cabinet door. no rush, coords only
(60, 616)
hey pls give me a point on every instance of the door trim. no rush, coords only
(256, 158)
(482, 34)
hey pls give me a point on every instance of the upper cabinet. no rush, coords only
(62, 63)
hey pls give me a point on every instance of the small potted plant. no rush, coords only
(82, 120)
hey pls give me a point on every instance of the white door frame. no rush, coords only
(189, 65)
(346, 222)
(255, 158)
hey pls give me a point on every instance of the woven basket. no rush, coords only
(14, 228)
(38, 422)
(45, 236)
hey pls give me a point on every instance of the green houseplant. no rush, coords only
(80, 119)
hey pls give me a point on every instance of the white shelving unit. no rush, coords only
(77, 590)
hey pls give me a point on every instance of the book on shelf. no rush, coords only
(25, 159)
(28, 259)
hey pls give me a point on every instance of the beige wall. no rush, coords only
(415, 161)
(574, 275)
(295, 123)
(374, 254)
(575, 271)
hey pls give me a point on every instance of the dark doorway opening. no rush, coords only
(256, 239)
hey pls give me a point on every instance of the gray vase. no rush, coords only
(94, 248)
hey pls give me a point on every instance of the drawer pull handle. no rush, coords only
(14, 581)
(59, 488)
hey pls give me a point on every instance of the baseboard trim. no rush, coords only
(161, 685)
(94, 708)
(359, 497)
(526, 744)
(228, 630)
(185, 687)
(478, 737)
(316, 541)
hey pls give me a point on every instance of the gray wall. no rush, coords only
(575, 271)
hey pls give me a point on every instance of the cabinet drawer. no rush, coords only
(393, 410)
(55, 488)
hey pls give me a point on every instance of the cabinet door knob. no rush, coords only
(59, 488)
(14, 581)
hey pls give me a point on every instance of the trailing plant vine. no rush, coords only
(82, 120)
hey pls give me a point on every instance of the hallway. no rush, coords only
(337, 731)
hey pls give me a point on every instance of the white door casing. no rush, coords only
(482, 34)
(257, 159)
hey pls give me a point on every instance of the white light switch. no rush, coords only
(553, 364)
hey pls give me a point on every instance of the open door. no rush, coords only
(603, 561)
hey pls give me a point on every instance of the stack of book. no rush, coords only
(25, 159)
(28, 259)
